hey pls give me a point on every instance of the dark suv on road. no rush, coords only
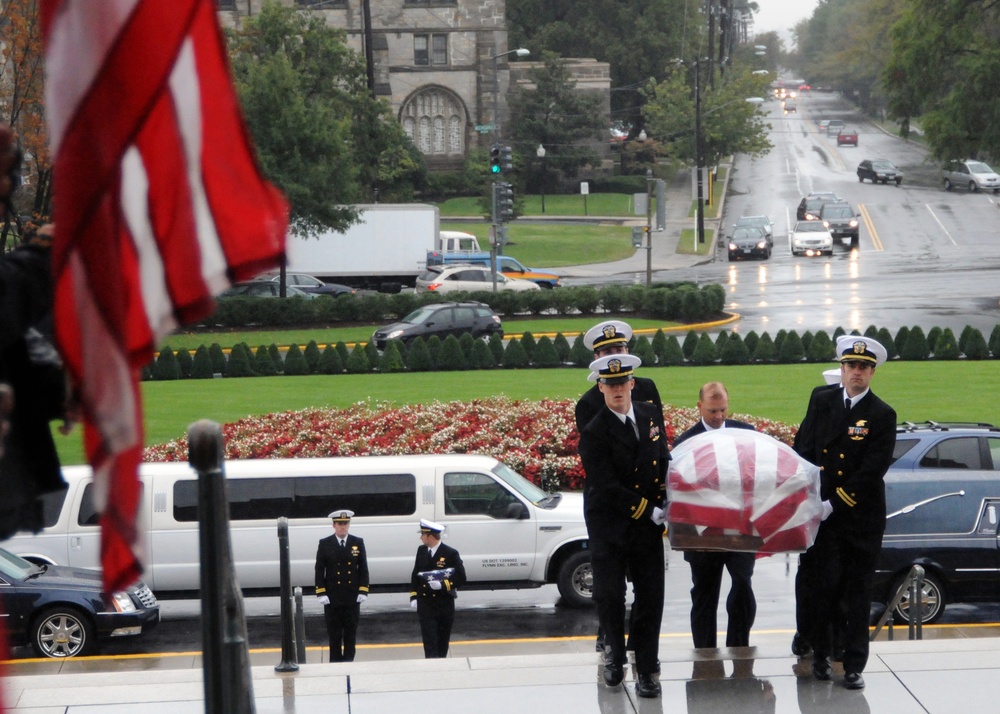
(442, 319)
(842, 221)
(943, 513)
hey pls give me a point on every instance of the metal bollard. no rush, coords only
(918, 601)
(288, 662)
(226, 656)
(300, 627)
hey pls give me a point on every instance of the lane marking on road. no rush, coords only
(870, 225)
(938, 221)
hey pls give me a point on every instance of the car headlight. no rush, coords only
(762, 244)
(732, 246)
(122, 602)
(854, 223)
(394, 334)
(826, 224)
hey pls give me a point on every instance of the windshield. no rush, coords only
(838, 212)
(14, 567)
(520, 484)
(978, 167)
(420, 315)
(747, 233)
(810, 227)
(882, 165)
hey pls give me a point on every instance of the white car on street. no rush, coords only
(811, 238)
(449, 278)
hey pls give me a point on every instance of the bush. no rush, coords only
(434, 348)
(791, 349)
(994, 342)
(885, 339)
(690, 343)
(975, 346)
(778, 339)
(673, 355)
(821, 349)
(807, 338)
(238, 364)
(764, 351)
(402, 304)
(184, 361)
(344, 352)
(537, 301)
(482, 356)
(580, 356)
(165, 367)
(735, 351)
(564, 301)
(900, 340)
(587, 299)
(916, 346)
(295, 361)
(692, 306)
(276, 358)
(612, 298)
(720, 342)
(751, 341)
(312, 356)
(644, 351)
(451, 356)
(528, 343)
(545, 354)
(357, 362)
(391, 361)
(418, 357)
(947, 346)
(467, 342)
(262, 363)
(932, 337)
(562, 347)
(659, 345)
(201, 366)
(330, 362)
(704, 353)
(371, 352)
(218, 358)
(514, 357)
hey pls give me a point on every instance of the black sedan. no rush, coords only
(879, 171)
(311, 284)
(62, 612)
(443, 319)
(749, 242)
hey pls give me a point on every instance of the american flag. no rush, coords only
(746, 483)
(159, 206)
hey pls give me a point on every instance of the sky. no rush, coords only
(782, 15)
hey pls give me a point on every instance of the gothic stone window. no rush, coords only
(435, 120)
(430, 50)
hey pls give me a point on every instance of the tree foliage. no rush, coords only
(321, 136)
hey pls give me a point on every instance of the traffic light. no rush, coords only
(505, 201)
(495, 167)
(506, 158)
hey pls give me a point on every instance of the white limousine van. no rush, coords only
(511, 533)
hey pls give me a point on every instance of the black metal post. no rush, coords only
(300, 627)
(699, 152)
(288, 662)
(226, 657)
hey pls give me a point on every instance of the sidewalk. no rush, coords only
(941, 676)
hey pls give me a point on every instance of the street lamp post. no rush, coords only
(699, 152)
(540, 153)
(520, 52)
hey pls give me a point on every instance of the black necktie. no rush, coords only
(847, 404)
(343, 543)
(430, 554)
(632, 431)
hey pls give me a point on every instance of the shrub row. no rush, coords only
(683, 302)
(452, 353)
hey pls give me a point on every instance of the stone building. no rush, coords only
(437, 62)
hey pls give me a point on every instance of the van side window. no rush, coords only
(52, 505)
(89, 515)
(902, 447)
(959, 453)
(475, 494)
(306, 497)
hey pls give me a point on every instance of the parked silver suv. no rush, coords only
(973, 175)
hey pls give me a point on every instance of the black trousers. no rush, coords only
(835, 580)
(641, 555)
(342, 629)
(436, 617)
(706, 584)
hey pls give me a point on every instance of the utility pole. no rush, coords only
(699, 151)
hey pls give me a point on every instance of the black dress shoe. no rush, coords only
(854, 680)
(656, 667)
(800, 646)
(822, 669)
(646, 686)
(613, 674)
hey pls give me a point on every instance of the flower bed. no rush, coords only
(536, 438)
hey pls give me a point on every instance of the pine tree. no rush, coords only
(735, 351)
(528, 343)
(916, 346)
(185, 362)
(218, 358)
(807, 338)
(994, 342)
(704, 353)
(262, 363)
(466, 341)
(690, 344)
(312, 356)
(778, 339)
(276, 359)
(434, 348)
(451, 357)
(496, 348)
(947, 346)
(238, 364)
(673, 354)
(821, 349)
(751, 342)
(932, 337)
(644, 351)
(562, 348)
(514, 357)
(580, 356)
(344, 351)
(885, 339)
(900, 340)
(371, 353)
(482, 356)
(975, 346)
(659, 345)
(791, 349)
(720, 342)
(418, 357)
(764, 352)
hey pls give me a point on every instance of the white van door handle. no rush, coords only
(75, 543)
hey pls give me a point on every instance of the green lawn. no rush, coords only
(919, 391)
(575, 205)
(543, 245)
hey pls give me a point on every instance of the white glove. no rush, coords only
(435, 584)
(362, 597)
(323, 600)
(827, 510)
(658, 515)
(413, 604)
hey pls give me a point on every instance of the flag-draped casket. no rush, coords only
(738, 489)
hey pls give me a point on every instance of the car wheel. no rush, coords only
(973, 187)
(576, 580)
(899, 181)
(861, 179)
(947, 185)
(932, 601)
(61, 632)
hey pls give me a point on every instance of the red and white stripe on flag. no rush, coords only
(159, 205)
(747, 483)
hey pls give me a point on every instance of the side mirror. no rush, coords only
(516, 512)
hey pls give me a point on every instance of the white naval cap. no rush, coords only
(607, 334)
(427, 526)
(857, 348)
(613, 369)
(832, 376)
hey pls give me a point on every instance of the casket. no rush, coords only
(741, 490)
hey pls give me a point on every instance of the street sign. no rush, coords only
(484, 128)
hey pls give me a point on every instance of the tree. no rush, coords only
(321, 136)
(943, 69)
(22, 104)
(553, 113)
(729, 124)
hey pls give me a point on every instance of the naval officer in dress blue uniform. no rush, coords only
(342, 585)
(624, 454)
(434, 597)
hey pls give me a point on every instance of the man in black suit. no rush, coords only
(707, 566)
(342, 585)
(624, 454)
(433, 596)
(850, 434)
(611, 337)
